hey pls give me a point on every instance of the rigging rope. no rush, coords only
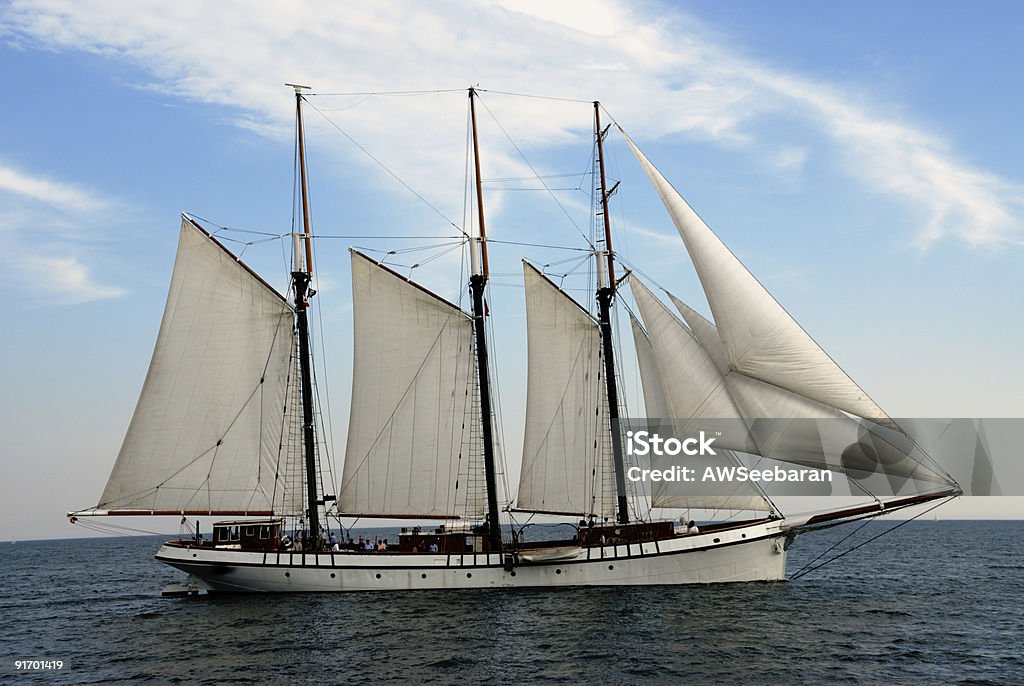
(805, 571)
(535, 174)
(388, 170)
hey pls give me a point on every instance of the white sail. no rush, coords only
(412, 425)
(206, 432)
(760, 338)
(705, 332)
(693, 386)
(567, 437)
(674, 495)
(655, 403)
(792, 428)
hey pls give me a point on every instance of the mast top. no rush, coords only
(301, 143)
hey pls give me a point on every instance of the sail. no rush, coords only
(791, 428)
(761, 339)
(655, 403)
(693, 386)
(411, 423)
(705, 332)
(673, 495)
(567, 432)
(206, 433)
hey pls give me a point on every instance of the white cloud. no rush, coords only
(63, 196)
(660, 75)
(64, 280)
(43, 238)
(791, 159)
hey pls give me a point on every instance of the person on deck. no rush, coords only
(691, 528)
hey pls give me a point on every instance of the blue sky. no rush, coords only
(863, 160)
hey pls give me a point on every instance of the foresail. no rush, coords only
(705, 332)
(760, 338)
(206, 433)
(412, 426)
(792, 428)
(655, 403)
(672, 495)
(694, 388)
(565, 447)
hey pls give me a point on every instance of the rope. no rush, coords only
(395, 176)
(536, 175)
(115, 529)
(806, 571)
(835, 545)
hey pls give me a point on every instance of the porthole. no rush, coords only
(558, 571)
(744, 535)
(423, 576)
(378, 576)
(193, 554)
(513, 573)
(469, 575)
(611, 567)
(332, 575)
(718, 540)
(287, 573)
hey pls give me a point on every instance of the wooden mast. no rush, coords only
(477, 283)
(301, 276)
(605, 296)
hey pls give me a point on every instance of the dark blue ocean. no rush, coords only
(930, 603)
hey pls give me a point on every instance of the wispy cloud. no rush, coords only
(45, 212)
(63, 196)
(662, 74)
(65, 280)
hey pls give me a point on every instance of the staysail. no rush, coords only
(412, 426)
(795, 401)
(740, 496)
(655, 402)
(565, 467)
(760, 338)
(206, 434)
(694, 388)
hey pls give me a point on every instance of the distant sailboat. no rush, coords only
(226, 423)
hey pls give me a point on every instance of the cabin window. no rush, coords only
(222, 534)
(265, 532)
(250, 532)
(234, 533)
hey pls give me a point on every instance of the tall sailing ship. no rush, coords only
(227, 424)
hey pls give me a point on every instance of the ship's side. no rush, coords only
(749, 553)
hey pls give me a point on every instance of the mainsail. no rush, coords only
(565, 463)
(412, 426)
(760, 338)
(206, 433)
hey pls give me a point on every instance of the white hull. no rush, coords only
(752, 553)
